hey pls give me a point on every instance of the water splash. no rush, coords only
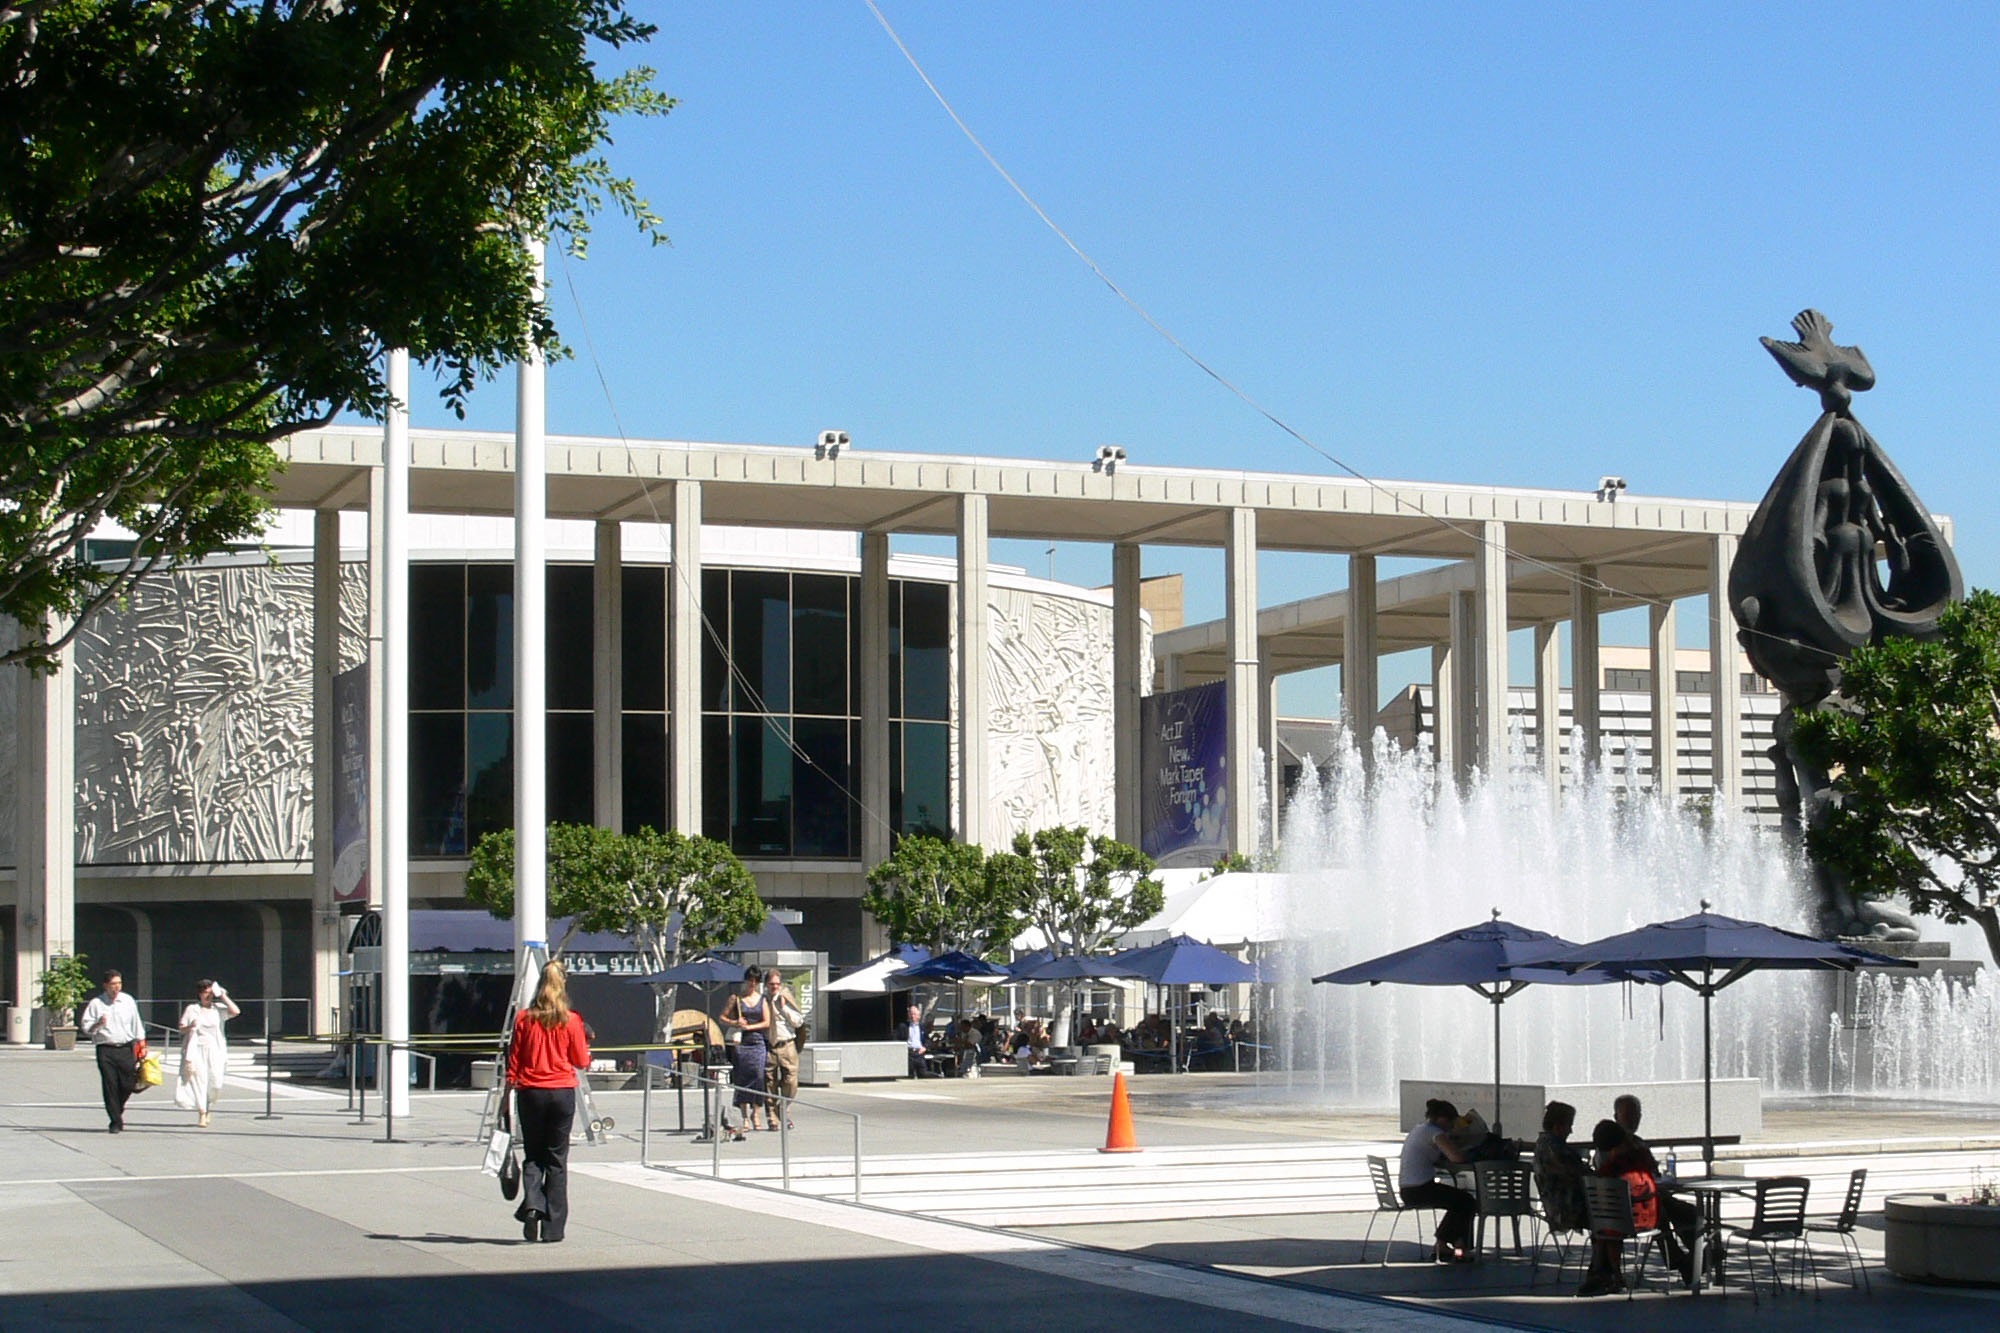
(1376, 865)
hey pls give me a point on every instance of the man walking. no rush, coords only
(787, 1022)
(111, 1021)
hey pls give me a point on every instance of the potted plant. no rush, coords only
(64, 985)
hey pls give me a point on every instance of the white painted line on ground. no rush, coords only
(1146, 1277)
(238, 1175)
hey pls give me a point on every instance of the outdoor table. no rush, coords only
(943, 1063)
(1708, 1192)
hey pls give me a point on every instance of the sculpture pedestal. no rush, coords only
(1928, 1239)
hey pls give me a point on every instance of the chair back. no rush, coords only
(1610, 1202)
(1502, 1188)
(1781, 1207)
(1385, 1188)
(1850, 1211)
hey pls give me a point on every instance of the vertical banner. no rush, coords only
(1184, 797)
(350, 785)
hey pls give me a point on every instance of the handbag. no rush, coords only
(500, 1150)
(149, 1073)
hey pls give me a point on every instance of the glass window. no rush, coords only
(714, 670)
(761, 810)
(645, 776)
(489, 770)
(437, 784)
(821, 780)
(715, 777)
(895, 650)
(489, 636)
(819, 643)
(437, 636)
(571, 644)
(926, 785)
(760, 641)
(572, 790)
(926, 650)
(645, 638)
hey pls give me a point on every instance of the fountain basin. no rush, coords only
(1930, 1239)
(1672, 1108)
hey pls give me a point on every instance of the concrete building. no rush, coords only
(172, 788)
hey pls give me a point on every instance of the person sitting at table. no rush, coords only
(1559, 1171)
(1619, 1157)
(968, 1049)
(1109, 1035)
(1425, 1147)
(1087, 1034)
(1683, 1218)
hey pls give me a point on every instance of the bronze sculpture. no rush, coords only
(1840, 553)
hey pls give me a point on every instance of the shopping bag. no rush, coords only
(149, 1073)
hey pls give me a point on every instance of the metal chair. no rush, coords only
(1502, 1190)
(1610, 1201)
(1567, 1240)
(1387, 1200)
(1842, 1225)
(1780, 1219)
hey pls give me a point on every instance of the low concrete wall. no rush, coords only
(1672, 1110)
(1927, 1239)
(856, 1059)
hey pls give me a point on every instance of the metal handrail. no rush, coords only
(713, 1127)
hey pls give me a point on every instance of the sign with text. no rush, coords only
(1184, 791)
(350, 786)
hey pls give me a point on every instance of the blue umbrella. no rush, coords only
(1073, 967)
(1494, 958)
(1707, 943)
(956, 966)
(1182, 960)
(1028, 960)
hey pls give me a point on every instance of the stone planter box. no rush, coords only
(1929, 1239)
(59, 1038)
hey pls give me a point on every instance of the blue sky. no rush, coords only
(1488, 244)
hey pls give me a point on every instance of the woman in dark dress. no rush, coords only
(750, 1015)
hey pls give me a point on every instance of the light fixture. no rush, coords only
(1109, 456)
(831, 442)
(1608, 487)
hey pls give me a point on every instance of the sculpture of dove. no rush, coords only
(1816, 362)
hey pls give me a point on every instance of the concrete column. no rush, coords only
(1465, 678)
(1243, 686)
(1548, 705)
(1267, 740)
(1173, 673)
(1127, 687)
(1660, 642)
(1585, 676)
(378, 682)
(44, 833)
(1725, 691)
(326, 665)
(974, 633)
(1444, 696)
(684, 634)
(139, 979)
(271, 954)
(1360, 677)
(531, 618)
(607, 682)
(1490, 599)
(872, 696)
(394, 770)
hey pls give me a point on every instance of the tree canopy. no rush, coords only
(1915, 758)
(215, 215)
(1080, 889)
(936, 893)
(672, 894)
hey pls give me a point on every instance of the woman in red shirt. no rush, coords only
(547, 1048)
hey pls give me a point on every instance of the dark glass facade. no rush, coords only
(779, 730)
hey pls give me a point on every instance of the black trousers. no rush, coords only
(118, 1074)
(545, 1116)
(1459, 1207)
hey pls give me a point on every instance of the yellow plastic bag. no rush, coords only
(149, 1072)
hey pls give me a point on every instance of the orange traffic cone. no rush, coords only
(1118, 1137)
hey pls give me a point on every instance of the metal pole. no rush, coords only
(267, 1064)
(857, 1159)
(388, 1101)
(715, 1144)
(645, 1104)
(353, 1073)
(1707, 1081)
(1496, 1063)
(362, 1084)
(784, 1140)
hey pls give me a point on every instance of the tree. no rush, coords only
(1080, 889)
(1915, 756)
(672, 894)
(216, 214)
(936, 893)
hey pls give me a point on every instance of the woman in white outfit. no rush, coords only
(204, 1053)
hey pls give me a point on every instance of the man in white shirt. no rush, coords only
(914, 1038)
(111, 1021)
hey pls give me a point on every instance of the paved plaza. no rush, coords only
(311, 1221)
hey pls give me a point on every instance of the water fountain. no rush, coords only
(1378, 864)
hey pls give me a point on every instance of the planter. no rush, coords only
(60, 1038)
(1929, 1239)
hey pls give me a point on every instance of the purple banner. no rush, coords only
(1184, 796)
(350, 786)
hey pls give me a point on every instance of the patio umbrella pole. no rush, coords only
(1496, 1061)
(1707, 1079)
